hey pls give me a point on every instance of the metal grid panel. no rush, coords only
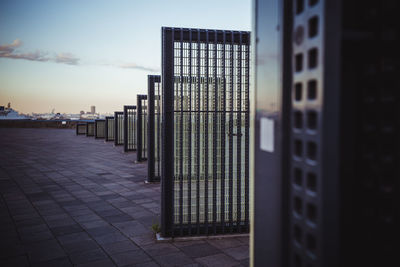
(90, 128)
(119, 128)
(205, 83)
(110, 128)
(100, 129)
(141, 127)
(130, 124)
(81, 128)
(154, 128)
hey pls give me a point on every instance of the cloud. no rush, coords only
(66, 58)
(137, 67)
(9, 51)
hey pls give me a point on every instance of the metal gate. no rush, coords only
(142, 104)
(109, 128)
(205, 140)
(90, 128)
(130, 123)
(154, 128)
(99, 128)
(119, 128)
(81, 129)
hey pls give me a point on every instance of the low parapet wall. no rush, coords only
(39, 124)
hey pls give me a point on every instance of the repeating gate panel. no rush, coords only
(142, 116)
(90, 128)
(119, 128)
(100, 128)
(130, 125)
(80, 128)
(154, 128)
(110, 128)
(205, 131)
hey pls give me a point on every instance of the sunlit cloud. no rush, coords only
(10, 51)
(137, 67)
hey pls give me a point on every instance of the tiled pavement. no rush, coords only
(73, 200)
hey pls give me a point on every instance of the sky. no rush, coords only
(70, 55)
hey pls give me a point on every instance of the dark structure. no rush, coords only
(119, 128)
(99, 129)
(205, 132)
(90, 128)
(327, 165)
(141, 128)
(154, 128)
(130, 126)
(109, 128)
(81, 129)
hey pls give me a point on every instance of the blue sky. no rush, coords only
(69, 55)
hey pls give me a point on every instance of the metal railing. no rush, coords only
(109, 128)
(130, 124)
(141, 151)
(205, 132)
(99, 129)
(154, 128)
(90, 128)
(119, 128)
(81, 129)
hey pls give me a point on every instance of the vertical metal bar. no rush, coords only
(138, 127)
(150, 129)
(116, 128)
(239, 136)
(247, 134)
(223, 121)
(206, 136)
(181, 136)
(190, 139)
(215, 143)
(231, 137)
(126, 138)
(198, 134)
(167, 186)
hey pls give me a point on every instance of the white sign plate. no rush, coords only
(267, 135)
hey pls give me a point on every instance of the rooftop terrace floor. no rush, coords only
(70, 200)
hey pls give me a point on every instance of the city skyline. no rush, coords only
(71, 55)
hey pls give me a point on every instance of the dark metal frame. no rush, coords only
(154, 128)
(130, 126)
(109, 128)
(119, 128)
(99, 129)
(90, 128)
(141, 128)
(79, 127)
(223, 100)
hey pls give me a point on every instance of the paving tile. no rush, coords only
(130, 257)
(110, 238)
(160, 249)
(80, 246)
(44, 251)
(225, 243)
(199, 250)
(238, 253)
(87, 256)
(173, 259)
(68, 229)
(217, 260)
(131, 228)
(20, 261)
(118, 247)
(100, 263)
(61, 262)
(73, 238)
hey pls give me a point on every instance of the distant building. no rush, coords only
(93, 109)
(82, 112)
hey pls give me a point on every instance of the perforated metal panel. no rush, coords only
(154, 128)
(119, 128)
(99, 127)
(90, 128)
(110, 128)
(142, 105)
(205, 85)
(81, 128)
(130, 125)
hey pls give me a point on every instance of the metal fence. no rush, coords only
(205, 132)
(81, 129)
(90, 128)
(130, 124)
(99, 128)
(119, 128)
(142, 105)
(109, 128)
(154, 128)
